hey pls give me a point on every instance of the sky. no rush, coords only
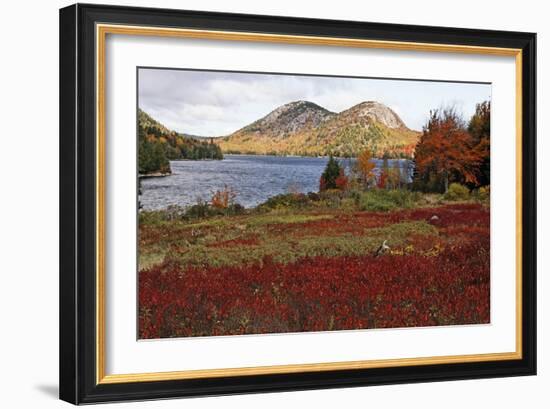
(210, 103)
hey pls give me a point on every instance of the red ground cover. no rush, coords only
(319, 293)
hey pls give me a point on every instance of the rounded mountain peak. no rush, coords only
(376, 112)
(291, 117)
(300, 105)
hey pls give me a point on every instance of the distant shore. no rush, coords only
(307, 156)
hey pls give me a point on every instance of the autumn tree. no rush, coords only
(365, 167)
(223, 198)
(382, 180)
(341, 181)
(383, 176)
(332, 172)
(480, 129)
(394, 177)
(446, 153)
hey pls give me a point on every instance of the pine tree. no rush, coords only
(330, 174)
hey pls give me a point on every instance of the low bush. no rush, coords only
(286, 200)
(201, 210)
(457, 192)
(331, 198)
(314, 197)
(381, 200)
(348, 203)
(151, 217)
(373, 202)
(404, 198)
(483, 194)
(205, 210)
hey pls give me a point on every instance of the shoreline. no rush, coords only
(154, 175)
(302, 156)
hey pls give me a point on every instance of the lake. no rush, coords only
(254, 178)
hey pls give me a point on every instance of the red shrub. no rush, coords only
(342, 180)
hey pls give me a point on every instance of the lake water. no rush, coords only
(254, 178)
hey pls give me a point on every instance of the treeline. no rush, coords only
(365, 175)
(452, 150)
(158, 145)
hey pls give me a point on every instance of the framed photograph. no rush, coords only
(257, 203)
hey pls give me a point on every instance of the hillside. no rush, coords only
(305, 128)
(158, 145)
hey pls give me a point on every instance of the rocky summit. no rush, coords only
(373, 112)
(289, 119)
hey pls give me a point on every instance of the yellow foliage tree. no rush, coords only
(365, 166)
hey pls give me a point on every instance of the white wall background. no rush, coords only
(29, 202)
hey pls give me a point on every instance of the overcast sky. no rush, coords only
(208, 103)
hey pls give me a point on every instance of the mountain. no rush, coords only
(305, 128)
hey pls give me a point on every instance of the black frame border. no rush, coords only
(77, 255)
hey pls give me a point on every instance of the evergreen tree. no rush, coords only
(330, 174)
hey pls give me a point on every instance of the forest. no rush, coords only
(157, 145)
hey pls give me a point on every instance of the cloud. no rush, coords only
(214, 103)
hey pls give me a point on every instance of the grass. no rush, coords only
(239, 251)
(285, 218)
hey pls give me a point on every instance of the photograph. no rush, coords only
(287, 203)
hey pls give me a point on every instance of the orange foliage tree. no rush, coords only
(365, 166)
(446, 153)
(222, 199)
